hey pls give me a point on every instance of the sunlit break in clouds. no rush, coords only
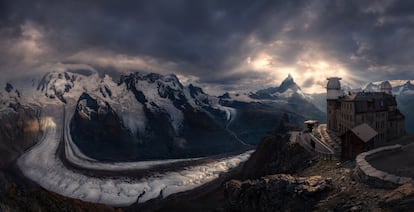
(220, 45)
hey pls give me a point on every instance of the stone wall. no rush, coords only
(366, 173)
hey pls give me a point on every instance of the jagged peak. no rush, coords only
(289, 77)
(151, 78)
(288, 83)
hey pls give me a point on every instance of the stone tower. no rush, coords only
(333, 93)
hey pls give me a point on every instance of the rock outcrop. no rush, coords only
(401, 198)
(276, 193)
(274, 155)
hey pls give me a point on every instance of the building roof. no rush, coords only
(364, 132)
(364, 96)
(311, 122)
(370, 101)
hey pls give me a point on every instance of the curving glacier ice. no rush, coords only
(42, 165)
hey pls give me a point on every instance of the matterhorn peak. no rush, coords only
(288, 83)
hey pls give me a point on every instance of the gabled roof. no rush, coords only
(364, 132)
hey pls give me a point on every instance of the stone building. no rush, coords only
(347, 111)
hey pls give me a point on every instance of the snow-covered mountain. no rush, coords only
(399, 87)
(140, 116)
(287, 89)
(262, 109)
(9, 97)
(88, 110)
(151, 116)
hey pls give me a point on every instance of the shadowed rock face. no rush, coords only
(99, 132)
(19, 130)
(276, 193)
(257, 119)
(273, 155)
(41, 200)
(97, 129)
(268, 185)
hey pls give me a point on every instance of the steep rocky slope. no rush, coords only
(19, 130)
(281, 176)
(275, 154)
(278, 192)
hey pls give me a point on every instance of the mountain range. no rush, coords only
(100, 122)
(258, 109)
(145, 116)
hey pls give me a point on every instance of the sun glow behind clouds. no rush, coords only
(310, 69)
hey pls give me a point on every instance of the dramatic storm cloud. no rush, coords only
(222, 45)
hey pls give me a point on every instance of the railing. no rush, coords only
(323, 155)
(320, 154)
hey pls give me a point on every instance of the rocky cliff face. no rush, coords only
(275, 154)
(279, 192)
(95, 127)
(141, 116)
(260, 111)
(100, 132)
(268, 185)
(19, 130)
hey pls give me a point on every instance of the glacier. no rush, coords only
(71, 176)
(42, 165)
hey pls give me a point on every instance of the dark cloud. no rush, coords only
(212, 39)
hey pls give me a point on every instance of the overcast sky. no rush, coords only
(220, 45)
